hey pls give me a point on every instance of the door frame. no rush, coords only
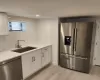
(95, 42)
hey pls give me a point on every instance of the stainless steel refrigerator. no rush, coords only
(75, 45)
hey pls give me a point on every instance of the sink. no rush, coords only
(24, 49)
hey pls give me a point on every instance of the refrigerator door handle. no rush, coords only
(75, 38)
(82, 58)
(65, 54)
(79, 57)
(74, 41)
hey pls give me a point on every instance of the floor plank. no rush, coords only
(58, 73)
(95, 71)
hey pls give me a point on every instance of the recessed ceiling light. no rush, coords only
(37, 15)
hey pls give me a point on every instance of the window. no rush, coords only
(17, 26)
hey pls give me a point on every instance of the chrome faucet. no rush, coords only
(18, 44)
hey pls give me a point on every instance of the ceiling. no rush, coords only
(50, 8)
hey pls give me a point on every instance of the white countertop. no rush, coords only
(9, 54)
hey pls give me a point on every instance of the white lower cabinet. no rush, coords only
(35, 60)
(46, 55)
(31, 62)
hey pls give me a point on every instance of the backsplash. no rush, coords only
(6, 43)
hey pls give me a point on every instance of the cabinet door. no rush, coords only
(50, 53)
(36, 61)
(26, 64)
(46, 55)
(3, 24)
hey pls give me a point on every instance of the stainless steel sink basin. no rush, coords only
(24, 49)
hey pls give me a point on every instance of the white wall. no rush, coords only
(54, 40)
(47, 33)
(29, 35)
(41, 31)
(92, 46)
(96, 58)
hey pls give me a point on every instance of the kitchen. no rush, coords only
(40, 33)
(11, 39)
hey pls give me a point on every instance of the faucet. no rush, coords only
(18, 43)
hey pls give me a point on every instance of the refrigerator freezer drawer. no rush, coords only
(81, 65)
(63, 61)
(66, 61)
(75, 63)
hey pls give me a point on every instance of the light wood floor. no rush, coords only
(95, 71)
(58, 73)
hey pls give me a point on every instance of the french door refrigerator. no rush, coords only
(75, 45)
